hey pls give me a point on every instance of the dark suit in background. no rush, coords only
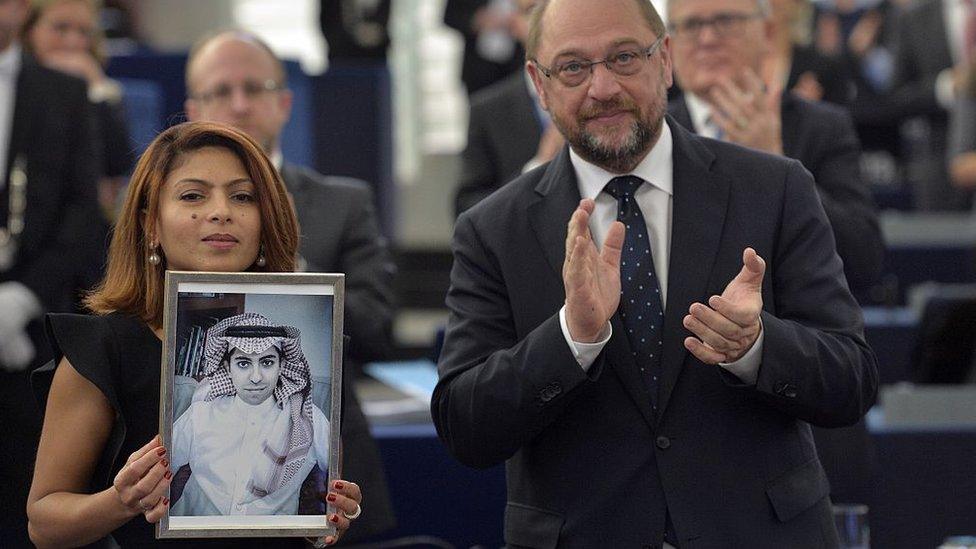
(476, 71)
(53, 132)
(355, 35)
(832, 74)
(588, 462)
(504, 130)
(340, 233)
(921, 53)
(822, 138)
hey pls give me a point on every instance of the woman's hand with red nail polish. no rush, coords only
(345, 498)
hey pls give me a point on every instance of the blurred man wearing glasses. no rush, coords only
(234, 78)
(719, 49)
(658, 314)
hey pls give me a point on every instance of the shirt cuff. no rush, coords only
(747, 367)
(945, 95)
(585, 353)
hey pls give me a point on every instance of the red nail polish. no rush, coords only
(168, 475)
(165, 501)
(160, 451)
(335, 519)
(331, 497)
(165, 463)
(338, 485)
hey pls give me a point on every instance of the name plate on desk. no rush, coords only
(906, 405)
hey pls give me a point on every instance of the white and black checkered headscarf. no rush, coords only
(254, 333)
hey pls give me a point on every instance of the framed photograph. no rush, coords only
(249, 405)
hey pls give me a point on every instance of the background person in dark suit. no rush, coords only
(356, 30)
(688, 406)
(234, 78)
(931, 55)
(47, 143)
(508, 132)
(482, 65)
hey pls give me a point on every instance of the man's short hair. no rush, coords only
(244, 35)
(535, 24)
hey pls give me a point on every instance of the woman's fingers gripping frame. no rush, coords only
(345, 499)
(141, 476)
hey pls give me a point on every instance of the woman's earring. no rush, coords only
(154, 258)
(261, 261)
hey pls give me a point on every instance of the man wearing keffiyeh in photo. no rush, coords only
(254, 438)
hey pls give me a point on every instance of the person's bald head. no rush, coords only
(233, 77)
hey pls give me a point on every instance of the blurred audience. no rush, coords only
(796, 64)
(64, 35)
(235, 78)
(508, 132)
(356, 30)
(935, 39)
(47, 201)
(861, 33)
(490, 50)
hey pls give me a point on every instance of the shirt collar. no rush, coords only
(657, 168)
(244, 409)
(699, 110)
(10, 61)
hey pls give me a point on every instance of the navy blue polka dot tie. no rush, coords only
(640, 294)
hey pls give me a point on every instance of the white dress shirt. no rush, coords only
(9, 70)
(223, 442)
(655, 199)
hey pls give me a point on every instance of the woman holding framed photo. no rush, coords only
(203, 198)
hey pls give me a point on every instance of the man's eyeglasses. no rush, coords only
(623, 63)
(724, 25)
(252, 90)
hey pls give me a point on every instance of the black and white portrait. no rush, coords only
(251, 400)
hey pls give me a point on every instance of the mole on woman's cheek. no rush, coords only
(193, 216)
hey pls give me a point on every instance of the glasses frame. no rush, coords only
(679, 29)
(268, 86)
(607, 62)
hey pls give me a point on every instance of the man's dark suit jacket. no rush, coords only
(588, 462)
(340, 233)
(53, 131)
(821, 136)
(503, 135)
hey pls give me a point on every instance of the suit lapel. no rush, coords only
(557, 198)
(700, 203)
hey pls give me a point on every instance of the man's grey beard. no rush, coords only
(615, 159)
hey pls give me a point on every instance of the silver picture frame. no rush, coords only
(313, 304)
